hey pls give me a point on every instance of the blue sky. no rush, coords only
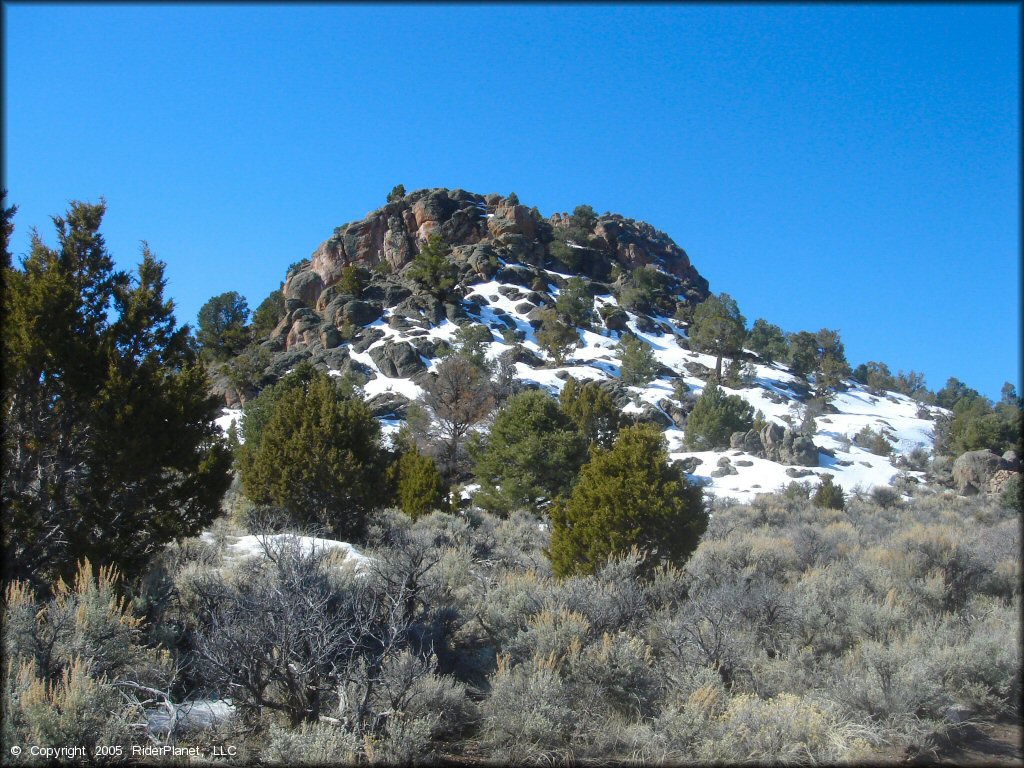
(851, 167)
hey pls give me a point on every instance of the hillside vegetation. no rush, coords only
(482, 486)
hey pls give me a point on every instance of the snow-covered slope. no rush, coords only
(774, 392)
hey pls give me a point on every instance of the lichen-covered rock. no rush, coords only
(973, 470)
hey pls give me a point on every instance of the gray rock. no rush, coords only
(748, 442)
(1011, 461)
(360, 312)
(782, 445)
(329, 337)
(421, 308)
(397, 360)
(973, 470)
(794, 472)
(690, 464)
(388, 404)
(525, 307)
(365, 337)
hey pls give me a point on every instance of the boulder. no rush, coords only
(360, 312)
(397, 360)
(973, 470)
(690, 464)
(366, 337)
(1011, 461)
(304, 287)
(748, 442)
(388, 404)
(420, 308)
(783, 446)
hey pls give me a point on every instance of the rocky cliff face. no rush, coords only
(479, 227)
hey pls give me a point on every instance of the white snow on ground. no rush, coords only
(228, 417)
(254, 546)
(188, 716)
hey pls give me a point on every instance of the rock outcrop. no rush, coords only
(973, 471)
(778, 444)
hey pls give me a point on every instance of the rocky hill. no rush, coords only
(353, 309)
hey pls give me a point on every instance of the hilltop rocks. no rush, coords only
(973, 470)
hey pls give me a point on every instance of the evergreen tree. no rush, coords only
(803, 353)
(718, 328)
(318, 457)
(222, 325)
(267, 315)
(628, 496)
(829, 495)
(419, 488)
(830, 363)
(584, 217)
(953, 392)
(397, 193)
(575, 303)
(109, 449)
(531, 454)
(6, 229)
(556, 337)
(351, 280)
(768, 341)
(638, 362)
(875, 376)
(433, 268)
(715, 417)
(592, 410)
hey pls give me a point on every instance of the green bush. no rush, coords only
(575, 303)
(628, 496)
(638, 361)
(433, 268)
(715, 417)
(419, 487)
(768, 341)
(829, 495)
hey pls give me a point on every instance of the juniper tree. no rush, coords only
(592, 410)
(419, 487)
(433, 268)
(575, 303)
(627, 496)
(222, 325)
(318, 458)
(715, 417)
(829, 495)
(268, 314)
(531, 454)
(718, 328)
(555, 337)
(638, 361)
(767, 340)
(109, 448)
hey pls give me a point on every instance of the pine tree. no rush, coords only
(638, 362)
(718, 328)
(829, 495)
(628, 496)
(318, 457)
(531, 454)
(110, 449)
(419, 488)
